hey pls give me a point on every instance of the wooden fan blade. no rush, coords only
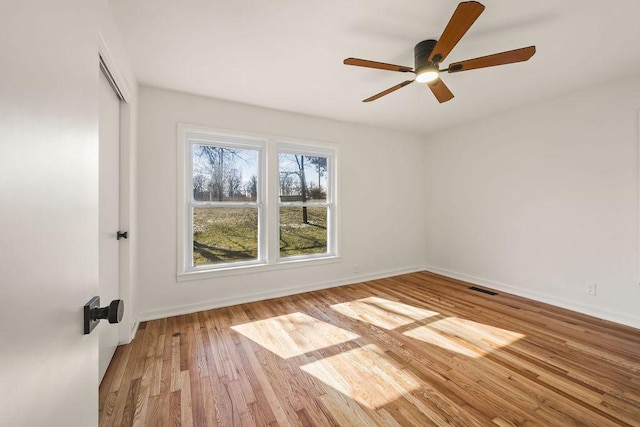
(378, 65)
(388, 91)
(509, 57)
(440, 90)
(463, 18)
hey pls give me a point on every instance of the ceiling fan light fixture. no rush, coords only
(427, 75)
(429, 54)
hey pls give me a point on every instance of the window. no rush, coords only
(251, 201)
(224, 208)
(305, 202)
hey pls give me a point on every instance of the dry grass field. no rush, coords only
(230, 234)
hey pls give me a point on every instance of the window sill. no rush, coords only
(282, 264)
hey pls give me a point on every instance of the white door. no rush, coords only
(48, 212)
(109, 284)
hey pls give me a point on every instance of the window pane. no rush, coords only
(224, 174)
(302, 178)
(222, 235)
(303, 230)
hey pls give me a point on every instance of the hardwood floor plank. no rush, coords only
(126, 398)
(186, 408)
(197, 400)
(268, 402)
(107, 408)
(129, 411)
(153, 417)
(202, 368)
(417, 349)
(210, 413)
(221, 401)
(158, 360)
(106, 385)
(175, 362)
(113, 377)
(175, 415)
(143, 394)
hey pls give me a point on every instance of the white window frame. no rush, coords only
(268, 200)
(189, 137)
(330, 203)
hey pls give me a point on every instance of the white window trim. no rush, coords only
(330, 204)
(268, 196)
(187, 137)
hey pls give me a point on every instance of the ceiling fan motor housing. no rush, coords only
(421, 55)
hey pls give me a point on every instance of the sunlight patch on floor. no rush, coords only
(382, 312)
(464, 336)
(350, 373)
(294, 334)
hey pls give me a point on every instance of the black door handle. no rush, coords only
(113, 312)
(93, 313)
(121, 235)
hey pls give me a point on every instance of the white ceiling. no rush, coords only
(287, 54)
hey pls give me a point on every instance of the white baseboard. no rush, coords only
(634, 322)
(274, 293)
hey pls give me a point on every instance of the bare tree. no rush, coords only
(303, 185)
(234, 182)
(199, 185)
(321, 167)
(219, 164)
(252, 187)
(294, 180)
(287, 185)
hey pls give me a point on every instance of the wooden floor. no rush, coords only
(413, 350)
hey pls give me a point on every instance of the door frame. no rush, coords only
(123, 88)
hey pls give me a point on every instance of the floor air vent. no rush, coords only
(484, 291)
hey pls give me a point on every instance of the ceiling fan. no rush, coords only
(428, 54)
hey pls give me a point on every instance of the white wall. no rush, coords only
(381, 186)
(542, 200)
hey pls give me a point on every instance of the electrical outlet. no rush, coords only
(590, 289)
(356, 268)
